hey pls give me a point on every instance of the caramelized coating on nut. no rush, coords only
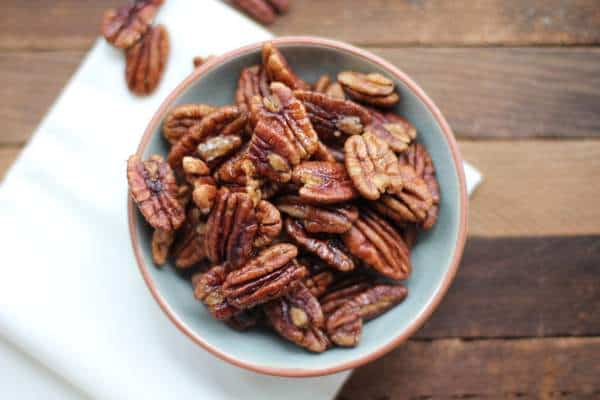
(278, 69)
(253, 82)
(323, 182)
(146, 61)
(208, 288)
(374, 89)
(316, 219)
(125, 26)
(269, 223)
(161, 244)
(189, 247)
(182, 118)
(397, 132)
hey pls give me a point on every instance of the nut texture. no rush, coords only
(161, 244)
(253, 82)
(264, 278)
(125, 26)
(208, 288)
(278, 69)
(153, 188)
(397, 132)
(182, 118)
(374, 89)
(318, 218)
(189, 247)
(269, 223)
(324, 182)
(217, 147)
(146, 60)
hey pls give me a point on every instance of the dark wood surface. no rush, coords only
(519, 82)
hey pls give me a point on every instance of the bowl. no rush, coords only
(435, 258)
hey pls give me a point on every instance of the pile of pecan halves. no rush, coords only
(296, 208)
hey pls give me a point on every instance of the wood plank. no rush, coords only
(60, 24)
(550, 92)
(566, 368)
(522, 287)
(535, 187)
(8, 155)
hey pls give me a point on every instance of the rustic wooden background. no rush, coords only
(519, 81)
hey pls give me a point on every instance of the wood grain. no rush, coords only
(484, 93)
(566, 368)
(73, 24)
(522, 287)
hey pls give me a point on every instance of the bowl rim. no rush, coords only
(463, 209)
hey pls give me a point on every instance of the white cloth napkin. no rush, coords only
(70, 294)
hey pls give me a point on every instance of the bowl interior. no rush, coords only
(432, 257)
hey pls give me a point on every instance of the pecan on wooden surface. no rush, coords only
(125, 26)
(182, 118)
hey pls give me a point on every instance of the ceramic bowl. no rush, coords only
(435, 258)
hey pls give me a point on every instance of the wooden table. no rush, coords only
(519, 81)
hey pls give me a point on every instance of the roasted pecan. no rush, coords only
(161, 243)
(264, 11)
(217, 147)
(124, 26)
(326, 219)
(298, 317)
(397, 132)
(180, 120)
(375, 242)
(269, 223)
(374, 89)
(278, 69)
(342, 290)
(231, 228)
(184, 194)
(283, 135)
(324, 153)
(333, 118)
(189, 247)
(236, 169)
(327, 249)
(418, 157)
(204, 188)
(372, 166)
(245, 319)
(264, 278)
(253, 82)
(409, 233)
(344, 325)
(319, 282)
(146, 61)
(323, 182)
(208, 288)
(153, 188)
(221, 121)
(332, 89)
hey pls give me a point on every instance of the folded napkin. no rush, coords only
(71, 296)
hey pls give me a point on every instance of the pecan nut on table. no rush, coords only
(296, 207)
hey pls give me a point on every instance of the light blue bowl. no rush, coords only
(435, 258)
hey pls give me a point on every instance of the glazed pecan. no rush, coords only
(332, 89)
(397, 132)
(333, 118)
(146, 60)
(269, 223)
(236, 170)
(374, 89)
(326, 219)
(208, 288)
(245, 319)
(327, 249)
(215, 148)
(297, 317)
(323, 182)
(161, 244)
(344, 325)
(278, 69)
(318, 282)
(264, 278)
(125, 26)
(342, 290)
(264, 11)
(180, 120)
(372, 166)
(222, 121)
(189, 247)
(230, 229)
(253, 82)
(375, 242)
(324, 153)
(283, 135)
(204, 188)
(418, 157)
(153, 188)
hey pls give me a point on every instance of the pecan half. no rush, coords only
(344, 325)
(182, 118)
(269, 223)
(146, 60)
(324, 153)
(418, 157)
(253, 82)
(208, 288)
(318, 282)
(372, 166)
(278, 69)
(298, 317)
(230, 228)
(264, 11)
(283, 135)
(125, 26)
(204, 188)
(375, 242)
(333, 117)
(189, 247)
(332, 89)
(224, 120)
(161, 244)
(319, 218)
(215, 148)
(264, 278)
(324, 182)
(153, 188)
(374, 89)
(328, 249)
(397, 132)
